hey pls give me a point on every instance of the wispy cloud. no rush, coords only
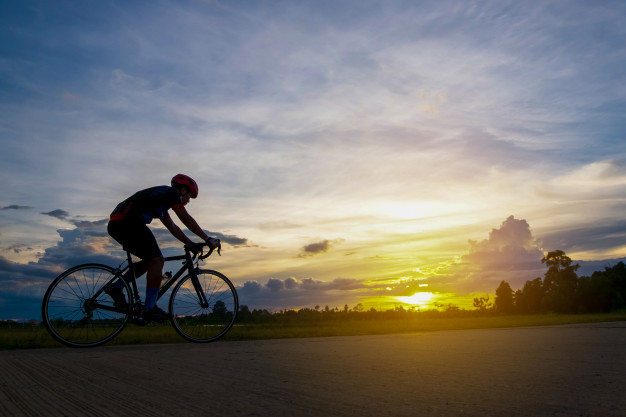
(58, 213)
(317, 248)
(16, 207)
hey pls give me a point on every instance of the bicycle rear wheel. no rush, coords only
(198, 323)
(74, 315)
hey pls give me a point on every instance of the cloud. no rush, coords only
(294, 293)
(23, 288)
(317, 248)
(77, 246)
(82, 224)
(512, 235)
(58, 213)
(230, 239)
(16, 248)
(16, 207)
(601, 237)
(510, 253)
(599, 180)
(165, 238)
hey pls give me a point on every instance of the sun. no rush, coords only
(418, 299)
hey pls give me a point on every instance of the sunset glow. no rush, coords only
(393, 153)
(421, 299)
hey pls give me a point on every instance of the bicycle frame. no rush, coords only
(187, 266)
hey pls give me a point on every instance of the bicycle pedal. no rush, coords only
(139, 321)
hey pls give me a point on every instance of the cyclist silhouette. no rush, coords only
(128, 226)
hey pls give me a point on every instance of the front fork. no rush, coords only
(204, 303)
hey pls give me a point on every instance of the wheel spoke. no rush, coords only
(198, 324)
(69, 312)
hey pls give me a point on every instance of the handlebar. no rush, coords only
(198, 249)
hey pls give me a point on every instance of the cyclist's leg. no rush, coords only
(125, 233)
(153, 281)
(137, 238)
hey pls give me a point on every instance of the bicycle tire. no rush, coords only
(198, 324)
(68, 310)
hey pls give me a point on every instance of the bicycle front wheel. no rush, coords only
(204, 323)
(73, 313)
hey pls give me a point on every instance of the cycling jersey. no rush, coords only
(145, 205)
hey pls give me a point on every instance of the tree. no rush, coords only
(244, 314)
(504, 298)
(482, 303)
(560, 282)
(603, 291)
(594, 294)
(529, 299)
(219, 309)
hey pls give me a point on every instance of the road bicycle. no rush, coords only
(78, 313)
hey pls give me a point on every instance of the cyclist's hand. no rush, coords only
(213, 244)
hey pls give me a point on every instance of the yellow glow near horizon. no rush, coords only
(421, 299)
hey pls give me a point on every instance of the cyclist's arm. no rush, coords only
(175, 230)
(190, 222)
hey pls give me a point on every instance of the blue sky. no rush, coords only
(347, 151)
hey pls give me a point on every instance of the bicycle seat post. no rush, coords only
(131, 268)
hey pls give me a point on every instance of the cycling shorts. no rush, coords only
(136, 238)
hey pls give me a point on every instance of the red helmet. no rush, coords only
(185, 181)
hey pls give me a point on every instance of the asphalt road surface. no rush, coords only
(574, 370)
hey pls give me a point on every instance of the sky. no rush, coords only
(346, 151)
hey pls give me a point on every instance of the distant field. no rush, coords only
(38, 337)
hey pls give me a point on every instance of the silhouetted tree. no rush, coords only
(482, 303)
(594, 294)
(244, 315)
(529, 299)
(219, 309)
(560, 283)
(604, 290)
(504, 298)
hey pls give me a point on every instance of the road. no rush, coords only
(573, 370)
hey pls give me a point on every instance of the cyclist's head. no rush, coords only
(182, 180)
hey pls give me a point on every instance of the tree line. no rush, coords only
(560, 291)
(563, 291)
(336, 314)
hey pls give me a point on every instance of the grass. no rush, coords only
(38, 337)
(377, 327)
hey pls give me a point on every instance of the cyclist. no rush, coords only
(128, 225)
